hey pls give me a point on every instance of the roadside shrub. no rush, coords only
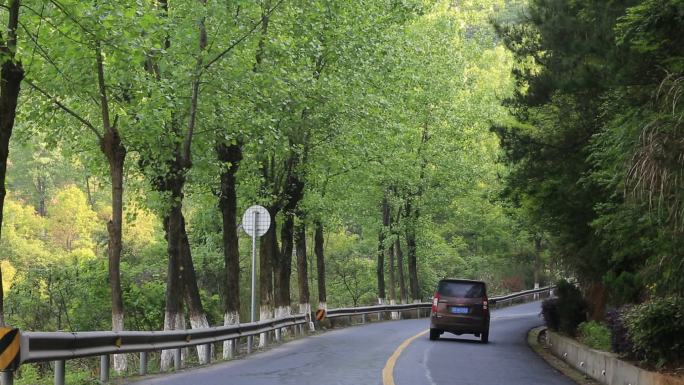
(550, 313)
(572, 310)
(27, 375)
(620, 341)
(656, 328)
(595, 335)
(565, 312)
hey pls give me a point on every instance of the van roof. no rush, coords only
(460, 280)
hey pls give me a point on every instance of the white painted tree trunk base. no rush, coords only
(230, 346)
(264, 314)
(395, 314)
(167, 355)
(180, 325)
(282, 312)
(200, 322)
(305, 308)
(120, 360)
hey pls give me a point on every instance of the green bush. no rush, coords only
(656, 329)
(550, 313)
(621, 342)
(28, 375)
(572, 309)
(595, 335)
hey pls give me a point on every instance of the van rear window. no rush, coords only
(461, 289)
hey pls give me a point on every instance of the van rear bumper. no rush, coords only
(459, 325)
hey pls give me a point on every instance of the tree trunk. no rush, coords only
(412, 265)
(230, 155)
(320, 265)
(89, 196)
(115, 152)
(11, 75)
(284, 267)
(116, 155)
(173, 313)
(302, 269)
(380, 269)
(198, 318)
(41, 189)
(392, 283)
(400, 268)
(537, 259)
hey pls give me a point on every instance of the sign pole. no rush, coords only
(254, 246)
(252, 226)
(250, 339)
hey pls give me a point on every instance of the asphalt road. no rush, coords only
(357, 355)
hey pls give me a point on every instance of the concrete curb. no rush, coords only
(545, 353)
(605, 367)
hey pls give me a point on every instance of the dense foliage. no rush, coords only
(595, 335)
(596, 148)
(596, 143)
(656, 329)
(144, 129)
(567, 310)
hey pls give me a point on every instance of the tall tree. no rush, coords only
(230, 155)
(302, 269)
(86, 31)
(380, 268)
(320, 265)
(11, 75)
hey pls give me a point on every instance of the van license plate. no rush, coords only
(459, 310)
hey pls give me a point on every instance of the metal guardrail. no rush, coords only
(535, 293)
(55, 346)
(378, 309)
(62, 346)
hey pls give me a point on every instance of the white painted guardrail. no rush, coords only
(62, 346)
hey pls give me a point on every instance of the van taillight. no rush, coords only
(485, 304)
(435, 300)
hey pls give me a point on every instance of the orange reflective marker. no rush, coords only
(9, 348)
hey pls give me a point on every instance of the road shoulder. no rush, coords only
(533, 340)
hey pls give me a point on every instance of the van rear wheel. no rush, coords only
(485, 337)
(434, 334)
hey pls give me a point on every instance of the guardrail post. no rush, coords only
(229, 349)
(363, 318)
(301, 329)
(104, 368)
(207, 354)
(143, 364)
(7, 378)
(59, 372)
(177, 359)
(250, 342)
(277, 334)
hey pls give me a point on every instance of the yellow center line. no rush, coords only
(387, 377)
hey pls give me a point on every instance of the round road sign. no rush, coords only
(256, 218)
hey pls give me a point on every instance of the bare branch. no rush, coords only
(65, 108)
(187, 143)
(243, 37)
(104, 102)
(12, 24)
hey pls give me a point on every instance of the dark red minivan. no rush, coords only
(460, 306)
